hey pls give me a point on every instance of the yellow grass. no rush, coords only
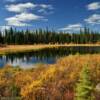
(22, 48)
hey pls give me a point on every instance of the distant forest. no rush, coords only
(13, 36)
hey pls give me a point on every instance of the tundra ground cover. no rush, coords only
(52, 82)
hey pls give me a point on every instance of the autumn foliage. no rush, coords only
(48, 82)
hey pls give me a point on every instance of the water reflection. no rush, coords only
(48, 56)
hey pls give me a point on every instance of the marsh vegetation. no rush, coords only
(53, 82)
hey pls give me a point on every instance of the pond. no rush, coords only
(45, 56)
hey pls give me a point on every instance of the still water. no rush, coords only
(45, 56)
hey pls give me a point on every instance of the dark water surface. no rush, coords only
(47, 56)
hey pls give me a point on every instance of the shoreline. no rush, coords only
(25, 48)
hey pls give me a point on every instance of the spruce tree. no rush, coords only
(84, 87)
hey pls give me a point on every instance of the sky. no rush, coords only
(58, 15)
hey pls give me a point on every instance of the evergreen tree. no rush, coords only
(13, 36)
(84, 87)
(1, 38)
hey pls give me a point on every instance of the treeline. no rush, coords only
(13, 36)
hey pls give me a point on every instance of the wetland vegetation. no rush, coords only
(53, 82)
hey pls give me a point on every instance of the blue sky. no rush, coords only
(60, 15)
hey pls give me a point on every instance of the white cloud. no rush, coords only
(46, 12)
(2, 28)
(23, 16)
(46, 9)
(44, 6)
(22, 7)
(22, 19)
(93, 6)
(72, 28)
(94, 19)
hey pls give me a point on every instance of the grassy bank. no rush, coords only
(24, 48)
(49, 81)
